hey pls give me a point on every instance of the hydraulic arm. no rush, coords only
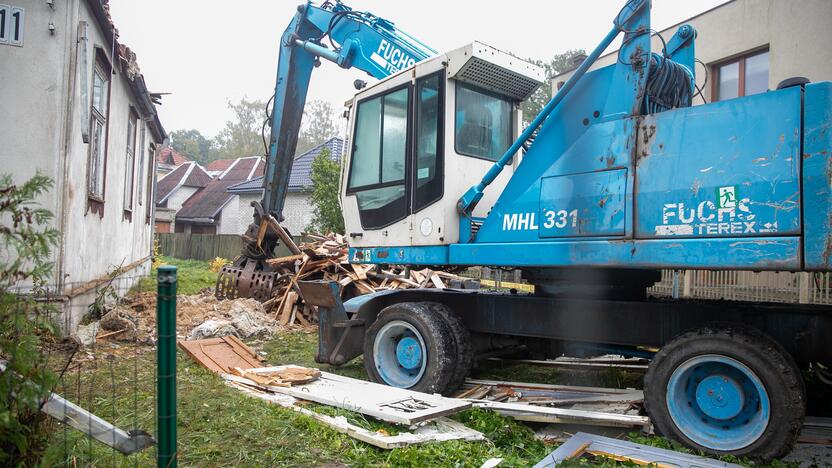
(339, 34)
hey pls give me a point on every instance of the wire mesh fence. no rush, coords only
(96, 353)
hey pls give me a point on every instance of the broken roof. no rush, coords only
(300, 179)
(206, 204)
(189, 174)
(145, 99)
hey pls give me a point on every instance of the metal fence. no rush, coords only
(763, 286)
(100, 351)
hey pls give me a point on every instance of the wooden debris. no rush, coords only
(279, 378)
(220, 355)
(325, 258)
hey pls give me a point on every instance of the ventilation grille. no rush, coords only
(495, 78)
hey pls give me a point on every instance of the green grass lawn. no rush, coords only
(192, 276)
(221, 426)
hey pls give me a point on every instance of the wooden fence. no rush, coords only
(204, 246)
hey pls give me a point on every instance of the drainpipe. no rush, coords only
(73, 17)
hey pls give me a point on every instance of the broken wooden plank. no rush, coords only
(284, 260)
(622, 450)
(437, 282)
(391, 404)
(524, 412)
(221, 354)
(282, 234)
(439, 430)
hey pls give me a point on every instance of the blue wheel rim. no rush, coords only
(400, 354)
(718, 402)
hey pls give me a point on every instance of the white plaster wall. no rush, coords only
(229, 222)
(40, 129)
(180, 196)
(297, 212)
(246, 211)
(798, 35)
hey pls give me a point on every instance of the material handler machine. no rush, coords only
(618, 177)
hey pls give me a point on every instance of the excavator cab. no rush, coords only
(418, 139)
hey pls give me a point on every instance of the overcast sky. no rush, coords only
(207, 52)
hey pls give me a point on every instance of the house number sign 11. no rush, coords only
(11, 25)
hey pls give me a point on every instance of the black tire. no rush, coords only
(462, 340)
(771, 363)
(438, 339)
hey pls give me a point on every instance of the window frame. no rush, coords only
(440, 144)
(740, 61)
(486, 92)
(101, 64)
(407, 154)
(130, 157)
(408, 157)
(151, 181)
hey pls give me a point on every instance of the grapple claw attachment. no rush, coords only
(234, 282)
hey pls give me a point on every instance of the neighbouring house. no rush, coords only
(214, 210)
(750, 46)
(77, 109)
(297, 210)
(218, 166)
(174, 189)
(168, 159)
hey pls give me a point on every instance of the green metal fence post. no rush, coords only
(166, 366)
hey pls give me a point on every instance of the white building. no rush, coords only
(214, 210)
(174, 189)
(297, 209)
(76, 108)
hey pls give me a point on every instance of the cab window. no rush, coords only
(379, 155)
(482, 123)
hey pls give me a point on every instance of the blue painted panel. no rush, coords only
(726, 169)
(418, 255)
(769, 253)
(590, 204)
(817, 172)
(598, 147)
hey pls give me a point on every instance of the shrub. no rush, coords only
(25, 244)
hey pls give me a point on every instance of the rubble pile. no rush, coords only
(325, 258)
(197, 316)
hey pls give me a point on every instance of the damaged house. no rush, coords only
(77, 109)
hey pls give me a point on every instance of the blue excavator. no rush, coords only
(618, 177)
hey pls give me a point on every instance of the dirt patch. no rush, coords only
(197, 316)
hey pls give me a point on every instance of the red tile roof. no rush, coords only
(208, 202)
(168, 156)
(189, 174)
(220, 164)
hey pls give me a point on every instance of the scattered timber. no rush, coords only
(325, 258)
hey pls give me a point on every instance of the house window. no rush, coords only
(742, 76)
(140, 195)
(98, 131)
(130, 160)
(151, 161)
